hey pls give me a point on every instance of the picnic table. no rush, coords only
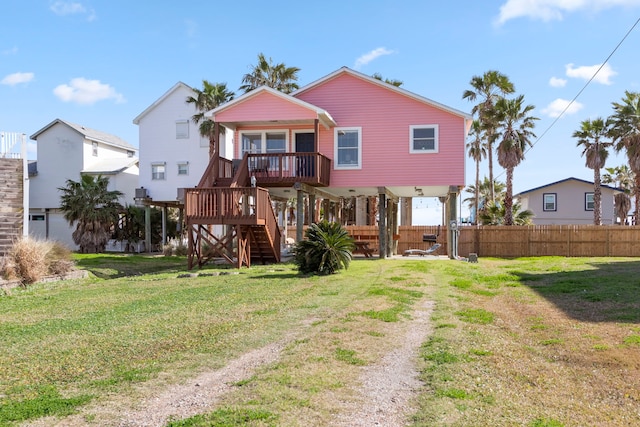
(362, 247)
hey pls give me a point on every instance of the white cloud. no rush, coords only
(548, 10)
(17, 78)
(11, 51)
(555, 108)
(370, 56)
(587, 71)
(86, 92)
(557, 82)
(63, 8)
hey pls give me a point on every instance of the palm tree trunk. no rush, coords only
(508, 199)
(492, 190)
(597, 197)
(477, 200)
(636, 193)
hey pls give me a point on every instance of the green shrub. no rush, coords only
(326, 249)
(181, 250)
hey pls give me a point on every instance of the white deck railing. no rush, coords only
(13, 145)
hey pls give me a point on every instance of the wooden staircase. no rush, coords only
(252, 233)
(11, 208)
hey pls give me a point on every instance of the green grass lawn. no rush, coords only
(533, 342)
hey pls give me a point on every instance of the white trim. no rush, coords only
(183, 163)
(336, 164)
(436, 143)
(263, 138)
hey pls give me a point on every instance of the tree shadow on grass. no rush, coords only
(107, 266)
(608, 293)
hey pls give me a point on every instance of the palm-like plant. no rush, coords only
(488, 88)
(477, 151)
(623, 178)
(595, 150)
(495, 214)
(393, 82)
(211, 96)
(484, 195)
(625, 133)
(93, 208)
(515, 127)
(275, 76)
(326, 249)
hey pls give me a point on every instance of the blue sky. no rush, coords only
(101, 63)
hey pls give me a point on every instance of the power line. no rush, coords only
(584, 87)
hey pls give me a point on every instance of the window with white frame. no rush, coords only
(588, 202)
(130, 153)
(423, 139)
(182, 129)
(158, 171)
(265, 142)
(348, 148)
(94, 148)
(183, 168)
(549, 202)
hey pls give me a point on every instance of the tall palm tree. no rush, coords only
(495, 214)
(92, 208)
(477, 151)
(211, 96)
(625, 132)
(515, 124)
(275, 76)
(595, 150)
(488, 88)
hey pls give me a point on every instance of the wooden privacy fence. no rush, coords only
(518, 241)
(547, 240)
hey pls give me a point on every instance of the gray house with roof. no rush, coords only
(568, 201)
(65, 151)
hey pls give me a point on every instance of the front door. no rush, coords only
(305, 143)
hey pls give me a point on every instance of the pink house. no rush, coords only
(346, 136)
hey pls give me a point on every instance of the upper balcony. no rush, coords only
(286, 169)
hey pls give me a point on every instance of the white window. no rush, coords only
(265, 142)
(348, 148)
(158, 171)
(183, 168)
(94, 147)
(130, 153)
(423, 139)
(549, 202)
(588, 202)
(182, 129)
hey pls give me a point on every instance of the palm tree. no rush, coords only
(621, 177)
(515, 124)
(93, 208)
(484, 194)
(211, 96)
(275, 76)
(595, 150)
(477, 151)
(488, 88)
(495, 214)
(393, 82)
(625, 132)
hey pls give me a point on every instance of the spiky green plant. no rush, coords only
(327, 248)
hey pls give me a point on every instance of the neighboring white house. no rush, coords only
(569, 201)
(173, 155)
(65, 151)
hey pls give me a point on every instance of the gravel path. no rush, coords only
(383, 399)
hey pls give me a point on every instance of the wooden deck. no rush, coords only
(286, 169)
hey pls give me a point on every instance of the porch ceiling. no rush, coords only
(398, 191)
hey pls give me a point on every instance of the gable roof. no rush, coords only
(563, 181)
(110, 166)
(88, 133)
(160, 100)
(347, 70)
(324, 117)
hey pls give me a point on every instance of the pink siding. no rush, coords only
(385, 117)
(264, 107)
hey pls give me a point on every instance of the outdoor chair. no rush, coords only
(421, 252)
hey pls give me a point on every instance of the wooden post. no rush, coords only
(299, 215)
(382, 225)
(312, 208)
